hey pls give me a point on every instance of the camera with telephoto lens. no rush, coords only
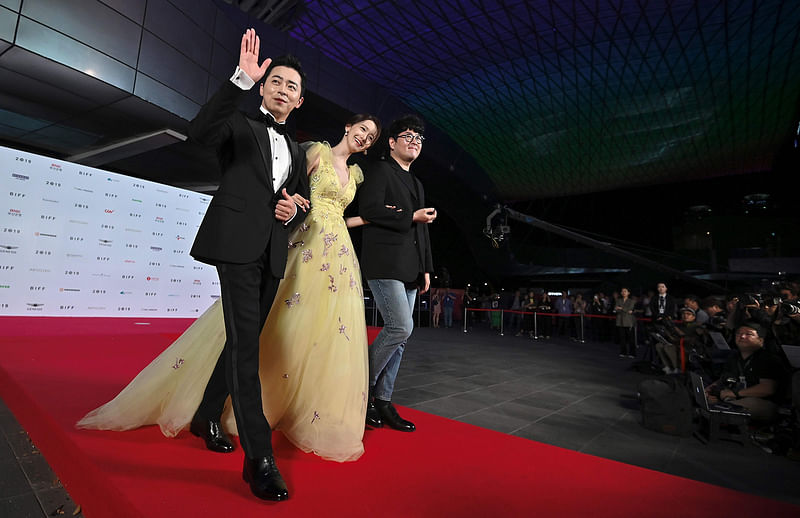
(790, 307)
(717, 321)
(749, 299)
(666, 332)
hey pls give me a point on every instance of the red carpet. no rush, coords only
(53, 370)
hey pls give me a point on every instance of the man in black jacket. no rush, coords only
(245, 235)
(396, 260)
(663, 305)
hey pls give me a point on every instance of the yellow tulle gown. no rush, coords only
(313, 356)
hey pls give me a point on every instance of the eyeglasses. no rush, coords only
(409, 138)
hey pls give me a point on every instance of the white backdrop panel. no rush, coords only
(80, 241)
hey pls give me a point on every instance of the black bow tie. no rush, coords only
(272, 123)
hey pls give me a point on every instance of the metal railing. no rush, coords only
(373, 316)
(582, 319)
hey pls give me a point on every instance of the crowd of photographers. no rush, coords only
(746, 346)
(735, 341)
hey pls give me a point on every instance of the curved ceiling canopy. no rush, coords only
(556, 97)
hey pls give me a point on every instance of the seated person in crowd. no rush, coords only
(687, 330)
(691, 301)
(785, 315)
(746, 308)
(716, 314)
(717, 318)
(771, 306)
(752, 376)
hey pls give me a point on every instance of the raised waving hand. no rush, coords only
(248, 56)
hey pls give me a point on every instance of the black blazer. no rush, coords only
(240, 223)
(393, 246)
(670, 307)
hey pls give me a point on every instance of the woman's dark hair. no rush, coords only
(289, 61)
(361, 117)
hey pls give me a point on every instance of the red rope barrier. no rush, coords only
(683, 356)
(585, 315)
(539, 313)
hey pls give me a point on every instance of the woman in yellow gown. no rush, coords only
(313, 355)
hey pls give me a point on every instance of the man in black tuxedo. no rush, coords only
(245, 235)
(396, 260)
(663, 305)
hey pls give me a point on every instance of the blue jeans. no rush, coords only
(396, 304)
(448, 316)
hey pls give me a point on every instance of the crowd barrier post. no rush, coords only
(502, 316)
(535, 327)
(465, 318)
(583, 340)
(683, 355)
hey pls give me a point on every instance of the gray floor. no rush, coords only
(28, 487)
(576, 396)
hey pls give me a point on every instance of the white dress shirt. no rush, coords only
(281, 158)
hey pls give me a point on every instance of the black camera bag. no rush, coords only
(667, 405)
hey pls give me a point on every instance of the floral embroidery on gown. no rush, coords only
(313, 356)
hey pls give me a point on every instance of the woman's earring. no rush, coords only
(345, 133)
(365, 152)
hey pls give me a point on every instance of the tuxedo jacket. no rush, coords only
(240, 223)
(392, 245)
(670, 307)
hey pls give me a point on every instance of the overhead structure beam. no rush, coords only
(609, 248)
(128, 148)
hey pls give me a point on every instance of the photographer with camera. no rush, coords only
(752, 376)
(786, 327)
(788, 292)
(716, 315)
(786, 322)
(782, 328)
(747, 308)
(669, 336)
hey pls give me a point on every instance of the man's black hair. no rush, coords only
(755, 326)
(712, 301)
(406, 122)
(289, 61)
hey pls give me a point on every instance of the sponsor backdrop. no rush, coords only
(80, 241)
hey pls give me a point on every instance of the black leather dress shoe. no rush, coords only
(391, 418)
(373, 417)
(211, 432)
(264, 478)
